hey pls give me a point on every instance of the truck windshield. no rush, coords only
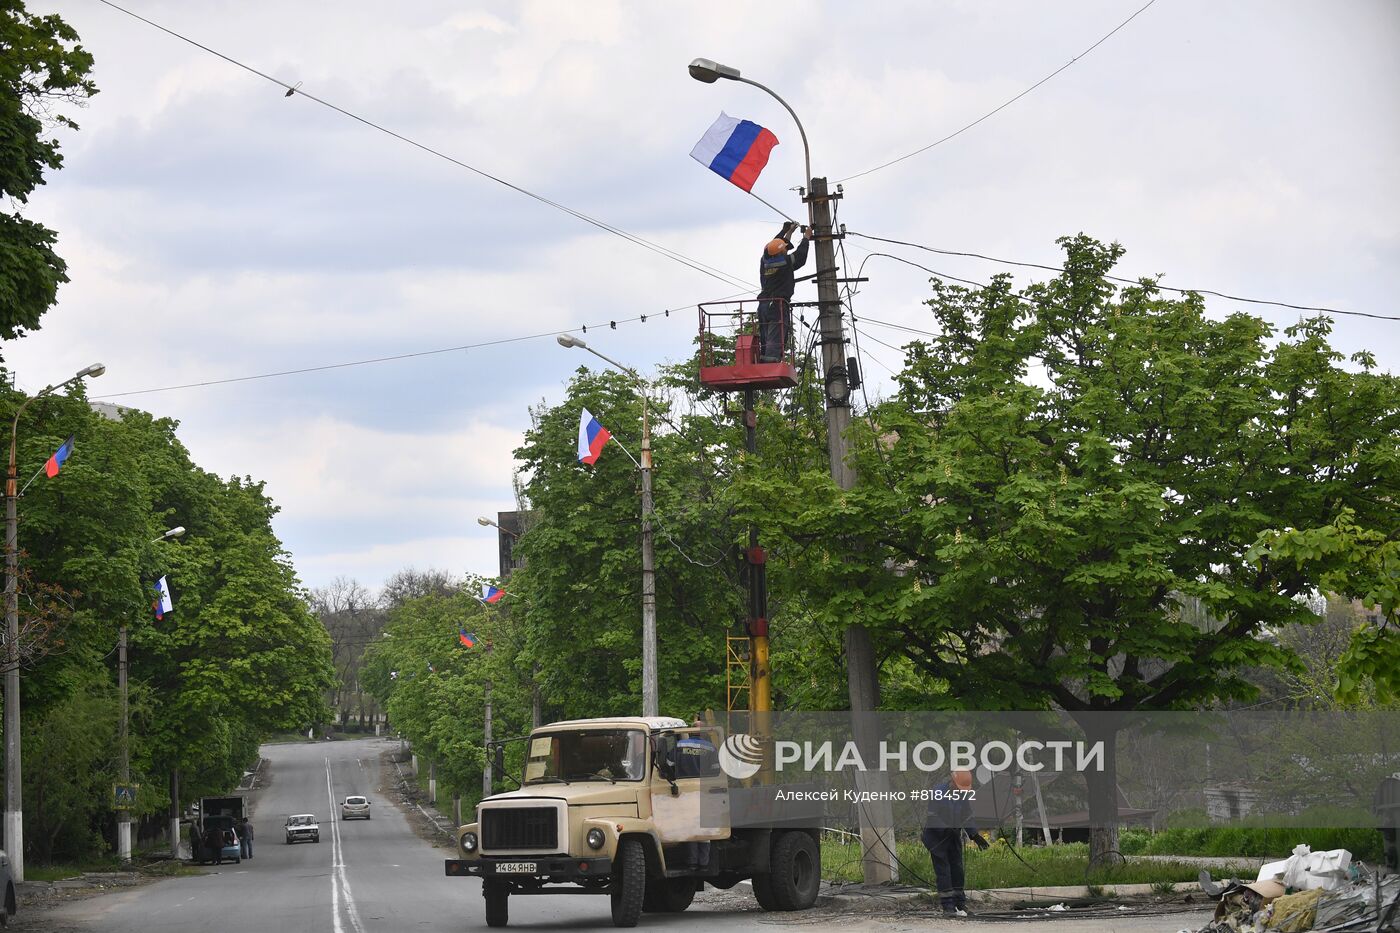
(601, 755)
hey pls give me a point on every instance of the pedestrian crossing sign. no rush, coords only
(124, 796)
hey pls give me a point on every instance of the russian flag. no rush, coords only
(466, 639)
(591, 438)
(735, 150)
(491, 594)
(59, 456)
(163, 604)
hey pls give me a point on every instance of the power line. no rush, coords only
(400, 356)
(297, 89)
(939, 142)
(1114, 278)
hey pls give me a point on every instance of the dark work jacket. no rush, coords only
(775, 272)
(947, 817)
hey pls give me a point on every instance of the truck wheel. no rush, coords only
(668, 895)
(497, 903)
(796, 871)
(629, 883)
(763, 892)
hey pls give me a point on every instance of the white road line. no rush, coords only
(339, 881)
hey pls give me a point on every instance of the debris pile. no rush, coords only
(1308, 891)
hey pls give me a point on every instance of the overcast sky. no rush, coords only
(215, 228)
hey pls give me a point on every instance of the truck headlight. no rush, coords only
(469, 842)
(595, 838)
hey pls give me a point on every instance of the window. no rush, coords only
(603, 755)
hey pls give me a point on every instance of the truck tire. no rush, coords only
(668, 895)
(763, 892)
(629, 883)
(796, 871)
(497, 903)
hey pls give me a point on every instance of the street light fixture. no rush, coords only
(650, 691)
(14, 807)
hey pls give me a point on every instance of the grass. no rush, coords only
(999, 867)
(1256, 841)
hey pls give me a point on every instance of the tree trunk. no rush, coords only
(1103, 789)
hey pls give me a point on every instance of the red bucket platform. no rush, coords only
(729, 349)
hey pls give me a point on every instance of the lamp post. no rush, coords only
(14, 808)
(535, 703)
(649, 687)
(862, 681)
(124, 772)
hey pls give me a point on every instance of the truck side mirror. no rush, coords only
(498, 761)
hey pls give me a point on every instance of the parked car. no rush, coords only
(7, 908)
(301, 827)
(354, 807)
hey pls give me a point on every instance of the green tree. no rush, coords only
(1061, 467)
(42, 70)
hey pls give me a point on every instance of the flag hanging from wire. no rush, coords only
(491, 594)
(59, 457)
(466, 638)
(735, 150)
(591, 438)
(163, 603)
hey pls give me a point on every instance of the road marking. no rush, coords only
(340, 882)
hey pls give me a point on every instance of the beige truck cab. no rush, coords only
(633, 808)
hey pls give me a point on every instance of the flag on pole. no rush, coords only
(591, 438)
(59, 456)
(491, 594)
(735, 150)
(465, 638)
(163, 604)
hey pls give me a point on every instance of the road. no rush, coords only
(378, 876)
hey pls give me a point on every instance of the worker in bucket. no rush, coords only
(949, 816)
(775, 287)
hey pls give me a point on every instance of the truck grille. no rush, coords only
(520, 828)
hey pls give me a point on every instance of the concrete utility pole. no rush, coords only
(650, 700)
(123, 815)
(14, 782)
(863, 685)
(877, 847)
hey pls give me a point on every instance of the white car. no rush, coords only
(354, 807)
(301, 827)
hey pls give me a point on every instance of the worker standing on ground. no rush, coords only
(775, 287)
(949, 816)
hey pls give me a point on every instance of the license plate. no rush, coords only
(515, 868)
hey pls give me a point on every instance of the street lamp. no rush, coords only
(124, 772)
(14, 807)
(649, 684)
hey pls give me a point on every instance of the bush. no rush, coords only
(1262, 841)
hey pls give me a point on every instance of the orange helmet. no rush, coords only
(962, 780)
(777, 245)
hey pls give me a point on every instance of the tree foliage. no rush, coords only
(42, 69)
(240, 655)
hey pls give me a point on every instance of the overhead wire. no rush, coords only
(643, 318)
(992, 113)
(1114, 278)
(297, 89)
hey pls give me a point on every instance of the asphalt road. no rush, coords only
(378, 876)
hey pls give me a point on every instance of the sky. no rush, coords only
(215, 228)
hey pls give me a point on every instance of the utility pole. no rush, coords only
(486, 772)
(649, 684)
(877, 819)
(14, 809)
(123, 815)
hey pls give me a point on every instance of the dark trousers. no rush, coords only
(946, 852)
(246, 844)
(774, 330)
